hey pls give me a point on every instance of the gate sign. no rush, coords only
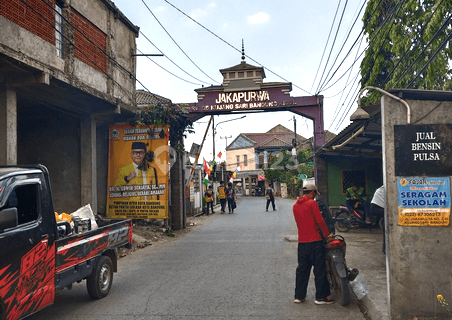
(424, 201)
(424, 149)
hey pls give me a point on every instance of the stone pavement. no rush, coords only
(364, 252)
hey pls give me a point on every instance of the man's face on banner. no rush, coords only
(137, 155)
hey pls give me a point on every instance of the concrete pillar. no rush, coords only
(177, 216)
(8, 126)
(417, 257)
(88, 163)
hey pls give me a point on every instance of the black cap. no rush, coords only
(139, 145)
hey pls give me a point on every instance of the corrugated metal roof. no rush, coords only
(145, 99)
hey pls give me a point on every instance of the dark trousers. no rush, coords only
(230, 202)
(223, 204)
(209, 204)
(351, 203)
(377, 210)
(272, 200)
(311, 254)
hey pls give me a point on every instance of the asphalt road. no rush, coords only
(234, 266)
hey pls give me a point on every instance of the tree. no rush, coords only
(178, 120)
(408, 45)
(285, 168)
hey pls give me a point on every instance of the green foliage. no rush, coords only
(285, 168)
(177, 118)
(398, 33)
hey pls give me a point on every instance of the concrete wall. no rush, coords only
(418, 257)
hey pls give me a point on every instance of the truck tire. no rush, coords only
(100, 281)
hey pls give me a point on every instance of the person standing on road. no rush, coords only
(222, 195)
(209, 199)
(310, 247)
(230, 195)
(377, 208)
(270, 196)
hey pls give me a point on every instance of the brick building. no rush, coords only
(67, 71)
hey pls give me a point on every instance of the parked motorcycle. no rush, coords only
(344, 221)
(339, 275)
(257, 191)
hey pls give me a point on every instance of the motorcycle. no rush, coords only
(339, 275)
(344, 221)
(257, 191)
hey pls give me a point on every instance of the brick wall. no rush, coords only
(91, 55)
(29, 19)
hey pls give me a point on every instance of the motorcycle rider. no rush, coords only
(354, 196)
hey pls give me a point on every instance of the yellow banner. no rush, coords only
(138, 167)
(424, 216)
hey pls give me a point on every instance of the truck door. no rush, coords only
(27, 252)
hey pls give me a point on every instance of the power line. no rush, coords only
(349, 51)
(332, 46)
(239, 50)
(326, 44)
(179, 46)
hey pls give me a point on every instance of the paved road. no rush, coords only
(235, 266)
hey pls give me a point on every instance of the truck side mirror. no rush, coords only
(8, 218)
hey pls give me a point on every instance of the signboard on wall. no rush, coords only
(423, 149)
(424, 201)
(138, 167)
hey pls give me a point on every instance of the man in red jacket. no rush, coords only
(312, 230)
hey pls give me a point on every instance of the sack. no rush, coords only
(234, 205)
(267, 197)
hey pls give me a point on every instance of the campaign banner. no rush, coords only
(424, 201)
(138, 167)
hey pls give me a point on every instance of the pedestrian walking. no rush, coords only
(209, 199)
(270, 196)
(222, 195)
(230, 195)
(311, 251)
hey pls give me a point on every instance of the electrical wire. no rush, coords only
(413, 43)
(332, 46)
(326, 44)
(180, 47)
(348, 53)
(230, 45)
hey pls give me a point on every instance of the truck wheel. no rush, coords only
(100, 281)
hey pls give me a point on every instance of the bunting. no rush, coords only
(219, 155)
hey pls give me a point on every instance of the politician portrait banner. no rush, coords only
(138, 167)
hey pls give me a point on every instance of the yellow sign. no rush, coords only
(138, 169)
(424, 216)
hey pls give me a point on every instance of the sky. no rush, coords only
(304, 42)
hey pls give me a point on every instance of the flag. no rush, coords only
(206, 168)
(219, 155)
(206, 179)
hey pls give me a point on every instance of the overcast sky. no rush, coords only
(287, 37)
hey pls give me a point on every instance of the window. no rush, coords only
(245, 160)
(249, 74)
(59, 28)
(25, 199)
(238, 161)
(349, 177)
(241, 74)
(232, 75)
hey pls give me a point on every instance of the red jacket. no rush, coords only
(309, 220)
